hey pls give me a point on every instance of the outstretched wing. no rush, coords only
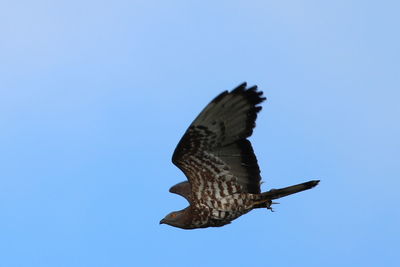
(214, 153)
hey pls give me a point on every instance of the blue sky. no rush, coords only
(94, 96)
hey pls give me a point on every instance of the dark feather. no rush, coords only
(283, 192)
(220, 132)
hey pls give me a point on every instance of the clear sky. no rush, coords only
(94, 96)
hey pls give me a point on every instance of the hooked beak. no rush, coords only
(162, 221)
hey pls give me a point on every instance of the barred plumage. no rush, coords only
(219, 162)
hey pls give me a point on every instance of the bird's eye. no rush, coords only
(173, 215)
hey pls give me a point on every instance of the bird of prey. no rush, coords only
(220, 165)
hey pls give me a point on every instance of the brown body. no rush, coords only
(221, 167)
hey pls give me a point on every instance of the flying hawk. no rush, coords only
(220, 165)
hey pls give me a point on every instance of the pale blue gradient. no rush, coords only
(94, 96)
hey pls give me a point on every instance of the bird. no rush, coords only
(223, 175)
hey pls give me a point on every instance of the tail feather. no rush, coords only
(283, 192)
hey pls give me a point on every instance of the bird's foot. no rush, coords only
(269, 205)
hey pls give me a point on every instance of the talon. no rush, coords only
(269, 205)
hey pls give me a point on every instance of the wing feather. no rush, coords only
(215, 148)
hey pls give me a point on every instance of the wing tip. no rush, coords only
(251, 93)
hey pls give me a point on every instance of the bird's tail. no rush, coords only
(264, 200)
(283, 192)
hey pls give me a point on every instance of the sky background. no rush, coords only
(95, 95)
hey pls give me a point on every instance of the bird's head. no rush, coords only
(176, 219)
